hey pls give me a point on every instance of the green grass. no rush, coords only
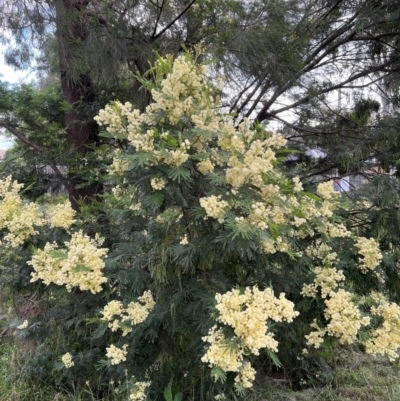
(13, 387)
(358, 377)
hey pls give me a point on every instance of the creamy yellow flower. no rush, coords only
(385, 340)
(247, 313)
(214, 206)
(222, 353)
(158, 183)
(135, 313)
(80, 264)
(246, 375)
(205, 166)
(344, 317)
(117, 355)
(326, 191)
(67, 360)
(19, 218)
(327, 279)
(371, 255)
(138, 392)
(62, 216)
(23, 325)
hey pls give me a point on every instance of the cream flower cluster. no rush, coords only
(119, 165)
(222, 352)
(110, 310)
(249, 168)
(62, 216)
(276, 141)
(269, 246)
(141, 142)
(139, 391)
(21, 225)
(134, 207)
(10, 199)
(67, 360)
(371, 255)
(298, 186)
(124, 122)
(246, 375)
(175, 158)
(316, 337)
(117, 355)
(118, 192)
(327, 279)
(205, 166)
(23, 325)
(344, 317)
(322, 251)
(229, 139)
(18, 218)
(180, 90)
(325, 190)
(157, 183)
(261, 213)
(386, 339)
(113, 115)
(206, 119)
(344, 320)
(247, 313)
(135, 313)
(184, 240)
(79, 265)
(337, 230)
(327, 208)
(214, 206)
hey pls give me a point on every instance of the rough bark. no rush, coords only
(77, 89)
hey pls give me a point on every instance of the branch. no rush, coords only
(309, 66)
(264, 114)
(377, 37)
(310, 63)
(158, 15)
(39, 149)
(327, 42)
(331, 10)
(263, 90)
(100, 16)
(154, 37)
(320, 172)
(240, 94)
(314, 131)
(22, 137)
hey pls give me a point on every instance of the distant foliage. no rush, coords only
(205, 264)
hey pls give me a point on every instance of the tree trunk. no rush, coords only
(78, 91)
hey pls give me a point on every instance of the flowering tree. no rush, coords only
(214, 260)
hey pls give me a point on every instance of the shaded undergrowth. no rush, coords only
(358, 377)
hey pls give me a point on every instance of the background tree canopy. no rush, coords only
(283, 61)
